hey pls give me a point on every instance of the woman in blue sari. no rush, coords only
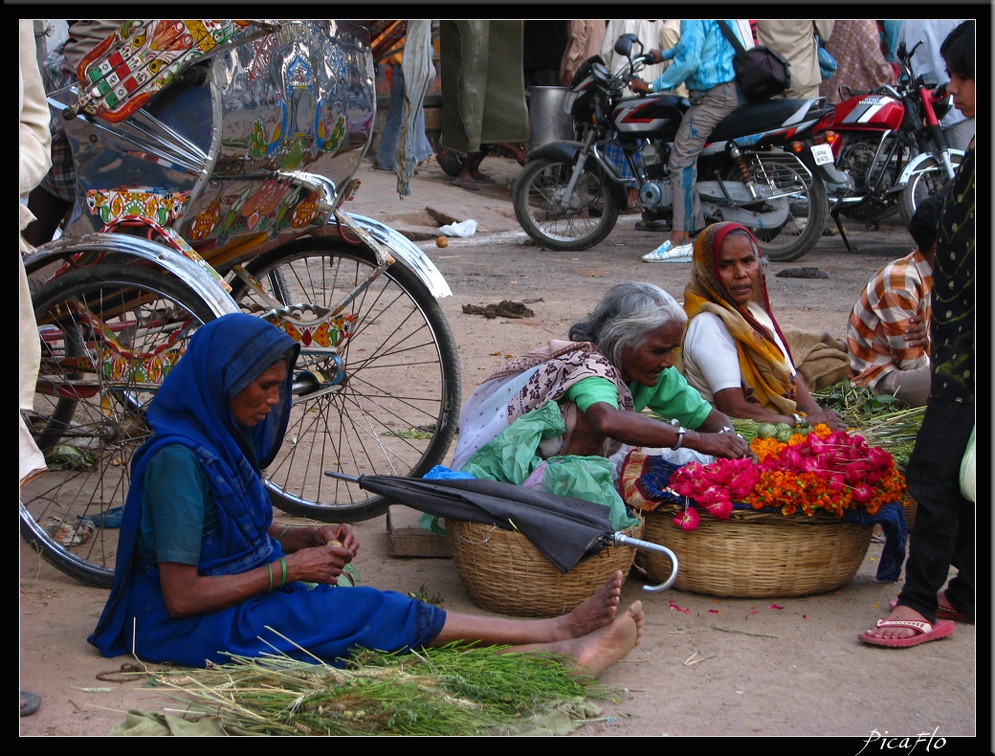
(203, 571)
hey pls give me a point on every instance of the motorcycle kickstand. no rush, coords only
(834, 211)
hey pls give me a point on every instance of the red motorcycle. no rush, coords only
(891, 144)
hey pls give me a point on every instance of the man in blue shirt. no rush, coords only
(702, 60)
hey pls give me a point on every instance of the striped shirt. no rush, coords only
(702, 58)
(874, 335)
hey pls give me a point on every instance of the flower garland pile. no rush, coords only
(831, 471)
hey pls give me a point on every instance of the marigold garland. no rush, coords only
(825, 470)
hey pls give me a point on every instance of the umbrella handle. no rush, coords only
(623, 540)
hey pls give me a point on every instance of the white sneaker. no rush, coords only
(667, 252)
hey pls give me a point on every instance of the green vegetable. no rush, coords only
(767, 430)
(784, 432)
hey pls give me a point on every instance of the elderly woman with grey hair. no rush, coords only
(618, 361)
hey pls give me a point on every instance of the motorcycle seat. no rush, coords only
(755, 117)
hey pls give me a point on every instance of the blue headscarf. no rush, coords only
(193, 408)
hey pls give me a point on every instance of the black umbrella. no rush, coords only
(564, 529)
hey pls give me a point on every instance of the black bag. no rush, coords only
(760, 72)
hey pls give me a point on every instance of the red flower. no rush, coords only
(688, 519)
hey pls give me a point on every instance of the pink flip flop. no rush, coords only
(926, 632)
(942, 612)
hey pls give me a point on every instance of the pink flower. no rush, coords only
(720, 508)
(688, 519)
(862, 493)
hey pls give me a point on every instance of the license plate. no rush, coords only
(822, 153)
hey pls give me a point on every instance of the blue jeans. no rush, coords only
(707, 110)
(392, 127)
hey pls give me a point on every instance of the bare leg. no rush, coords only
(598, 650)
(591, 634)
(594, 613)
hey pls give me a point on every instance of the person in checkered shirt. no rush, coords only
(888, 333)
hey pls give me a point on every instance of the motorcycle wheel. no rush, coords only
(808, 209)
(108, 334)
(927, 182)
(579, 223)
(395, 404)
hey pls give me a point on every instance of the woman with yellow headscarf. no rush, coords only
(733, 351)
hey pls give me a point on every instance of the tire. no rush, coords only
(590, 217)
(395, 412)
(808, 209)
(925, 183)
(89, 436)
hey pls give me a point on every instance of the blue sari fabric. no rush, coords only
(193, 408)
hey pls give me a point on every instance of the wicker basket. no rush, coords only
(756, 554)
(503, 572)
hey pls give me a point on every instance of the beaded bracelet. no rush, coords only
(283, 567)
(269, 569)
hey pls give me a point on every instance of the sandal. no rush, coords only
(925, 633)
(942, 612)
(466, 183)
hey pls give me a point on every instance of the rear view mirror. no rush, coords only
(624, 44)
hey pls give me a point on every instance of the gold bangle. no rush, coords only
(269, 569)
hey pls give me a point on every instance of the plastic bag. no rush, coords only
(827, 63)
(463, 229)
(968, 471)
(512, 457)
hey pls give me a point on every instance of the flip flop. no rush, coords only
(466, 183)
(32, 702)
(942, 612)
(483, 178)
(926, 632)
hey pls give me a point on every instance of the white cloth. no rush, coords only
(485, 414)
(34, 142)
(711, 361)
(653, 33)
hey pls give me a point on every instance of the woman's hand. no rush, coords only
(828, 418)
(338, 533)
(295, 539)
(728, 445)
(318, 564)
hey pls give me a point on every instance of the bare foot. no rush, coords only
(900, 612)
(598, 650)
(597, 611)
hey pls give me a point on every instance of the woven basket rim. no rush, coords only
(818, 517)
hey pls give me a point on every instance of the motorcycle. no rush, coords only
(760, 166)
(891, 143)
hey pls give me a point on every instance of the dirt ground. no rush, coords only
(706, 666)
